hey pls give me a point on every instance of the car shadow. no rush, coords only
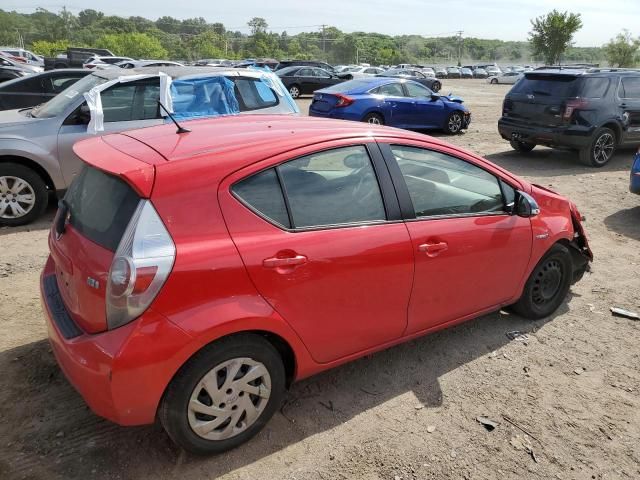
(47, 431)
(625, 222)
(42, 223)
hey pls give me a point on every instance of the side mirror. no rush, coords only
(526, 206)
(434, 97)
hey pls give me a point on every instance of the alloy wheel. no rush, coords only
(294, 91)
(455, 123)
(17, 197)
(229, 399)
(374, 120)
(547, 282)
(603, 148)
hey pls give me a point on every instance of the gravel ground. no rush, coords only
(566, 400)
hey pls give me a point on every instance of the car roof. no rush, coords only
(246, 139)
(176, 71)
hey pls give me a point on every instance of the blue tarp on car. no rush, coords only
(203, 97)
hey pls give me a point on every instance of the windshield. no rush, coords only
(59, 104)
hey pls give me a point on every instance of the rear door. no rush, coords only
(126, 106)
(307, 80)
(320, 235)
(539, 99)
(629, 105)
(470, 254)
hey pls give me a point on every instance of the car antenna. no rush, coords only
(180, 129)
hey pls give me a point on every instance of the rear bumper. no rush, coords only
(571, 136)
(121, 373)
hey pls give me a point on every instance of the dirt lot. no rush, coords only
(409, 412)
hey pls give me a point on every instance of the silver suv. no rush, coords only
(36, 156)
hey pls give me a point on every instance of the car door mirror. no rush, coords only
(525, 205)
(434, 97)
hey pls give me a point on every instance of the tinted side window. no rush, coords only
(304, 72)
(443, 185)
(58, 84)
(630, 88)
(333, 187)
(594, 87)
(27, 85)
(131, 101)
(416, 90)
(390, 90)
(263, 194)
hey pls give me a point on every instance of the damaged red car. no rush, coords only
(194, 276)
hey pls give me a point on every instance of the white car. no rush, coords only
(363, 72)
(508, 78)
(29, 57)
(429, 72)
(98, 61)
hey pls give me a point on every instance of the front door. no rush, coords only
(327, 254)
(470, 254)
(125, 105)
(427, 112)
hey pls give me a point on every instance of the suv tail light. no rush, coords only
(343, 100)
(572, 106)
(140, 267)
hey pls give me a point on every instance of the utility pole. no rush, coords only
(323, 42)
(460, 32)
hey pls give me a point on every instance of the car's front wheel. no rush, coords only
(454, 123)
(294, 90)
(436, 86)
(547, 285)
(224, 395)
(23, 195)
(494, 81)
(522, 147)
(601, 149)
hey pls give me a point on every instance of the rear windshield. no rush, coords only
(100, 206)
(549, 85)
(348, 86)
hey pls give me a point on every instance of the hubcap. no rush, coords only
(294, 92)
(374, 120)
(603, 148)
(17, 197)
(455, 122)
(229, 399)
(547, 282)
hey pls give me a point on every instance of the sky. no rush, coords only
(501, 19)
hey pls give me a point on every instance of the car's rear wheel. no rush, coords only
(436, 86)
(373, 118)
(601, 150)
(224, 395)
(547, 285)
(522, 147)
(494, 81)
(294, 90)
(454, 123)
(23, 195)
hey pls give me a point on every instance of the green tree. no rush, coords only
(552, 34)
(622, 51)
(258, 25)
(136, 45)
(49, 49)
(88, 17)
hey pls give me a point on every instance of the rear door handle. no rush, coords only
(433, 249)
(275, 262)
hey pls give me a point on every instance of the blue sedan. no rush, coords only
(390, 101)
(634, 184)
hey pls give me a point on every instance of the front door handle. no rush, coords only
(433, 249)
(275, 262)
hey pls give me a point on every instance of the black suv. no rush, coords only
(592, 111)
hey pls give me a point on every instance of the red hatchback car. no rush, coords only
(194, 276)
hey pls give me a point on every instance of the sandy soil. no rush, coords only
(409, 412)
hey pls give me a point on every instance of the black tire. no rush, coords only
(494, 81)
(600, 150)
(173, 411)
(373, 118)
(522, 147)
(436, 86)
(294, 91)
(547, 285)
(36, 184)
(454, 123)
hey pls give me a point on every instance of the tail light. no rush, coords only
(572, 106)
(140, 267)
(343, 101)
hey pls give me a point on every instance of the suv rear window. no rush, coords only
(549, 85)
(100, 206)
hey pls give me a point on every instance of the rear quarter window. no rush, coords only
(254, 94)
(594, 87)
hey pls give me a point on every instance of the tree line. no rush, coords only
(48, 33)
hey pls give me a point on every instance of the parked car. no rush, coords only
(127, 64)
(429, 72)
(360, 72)
(453, 72)
(493, 70)
(273, 228)
(396, 102)
(441, 72)
(74, 57)
(305, 63)
(32, 90)
(634, 181)
(508, 78)
(27, 55)
(306, 80)
(415, 75)
(480, 73)
(466, 73)
(10, 73)
(36, 144)
(7, 62)
(99, 60)
(593, 111)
